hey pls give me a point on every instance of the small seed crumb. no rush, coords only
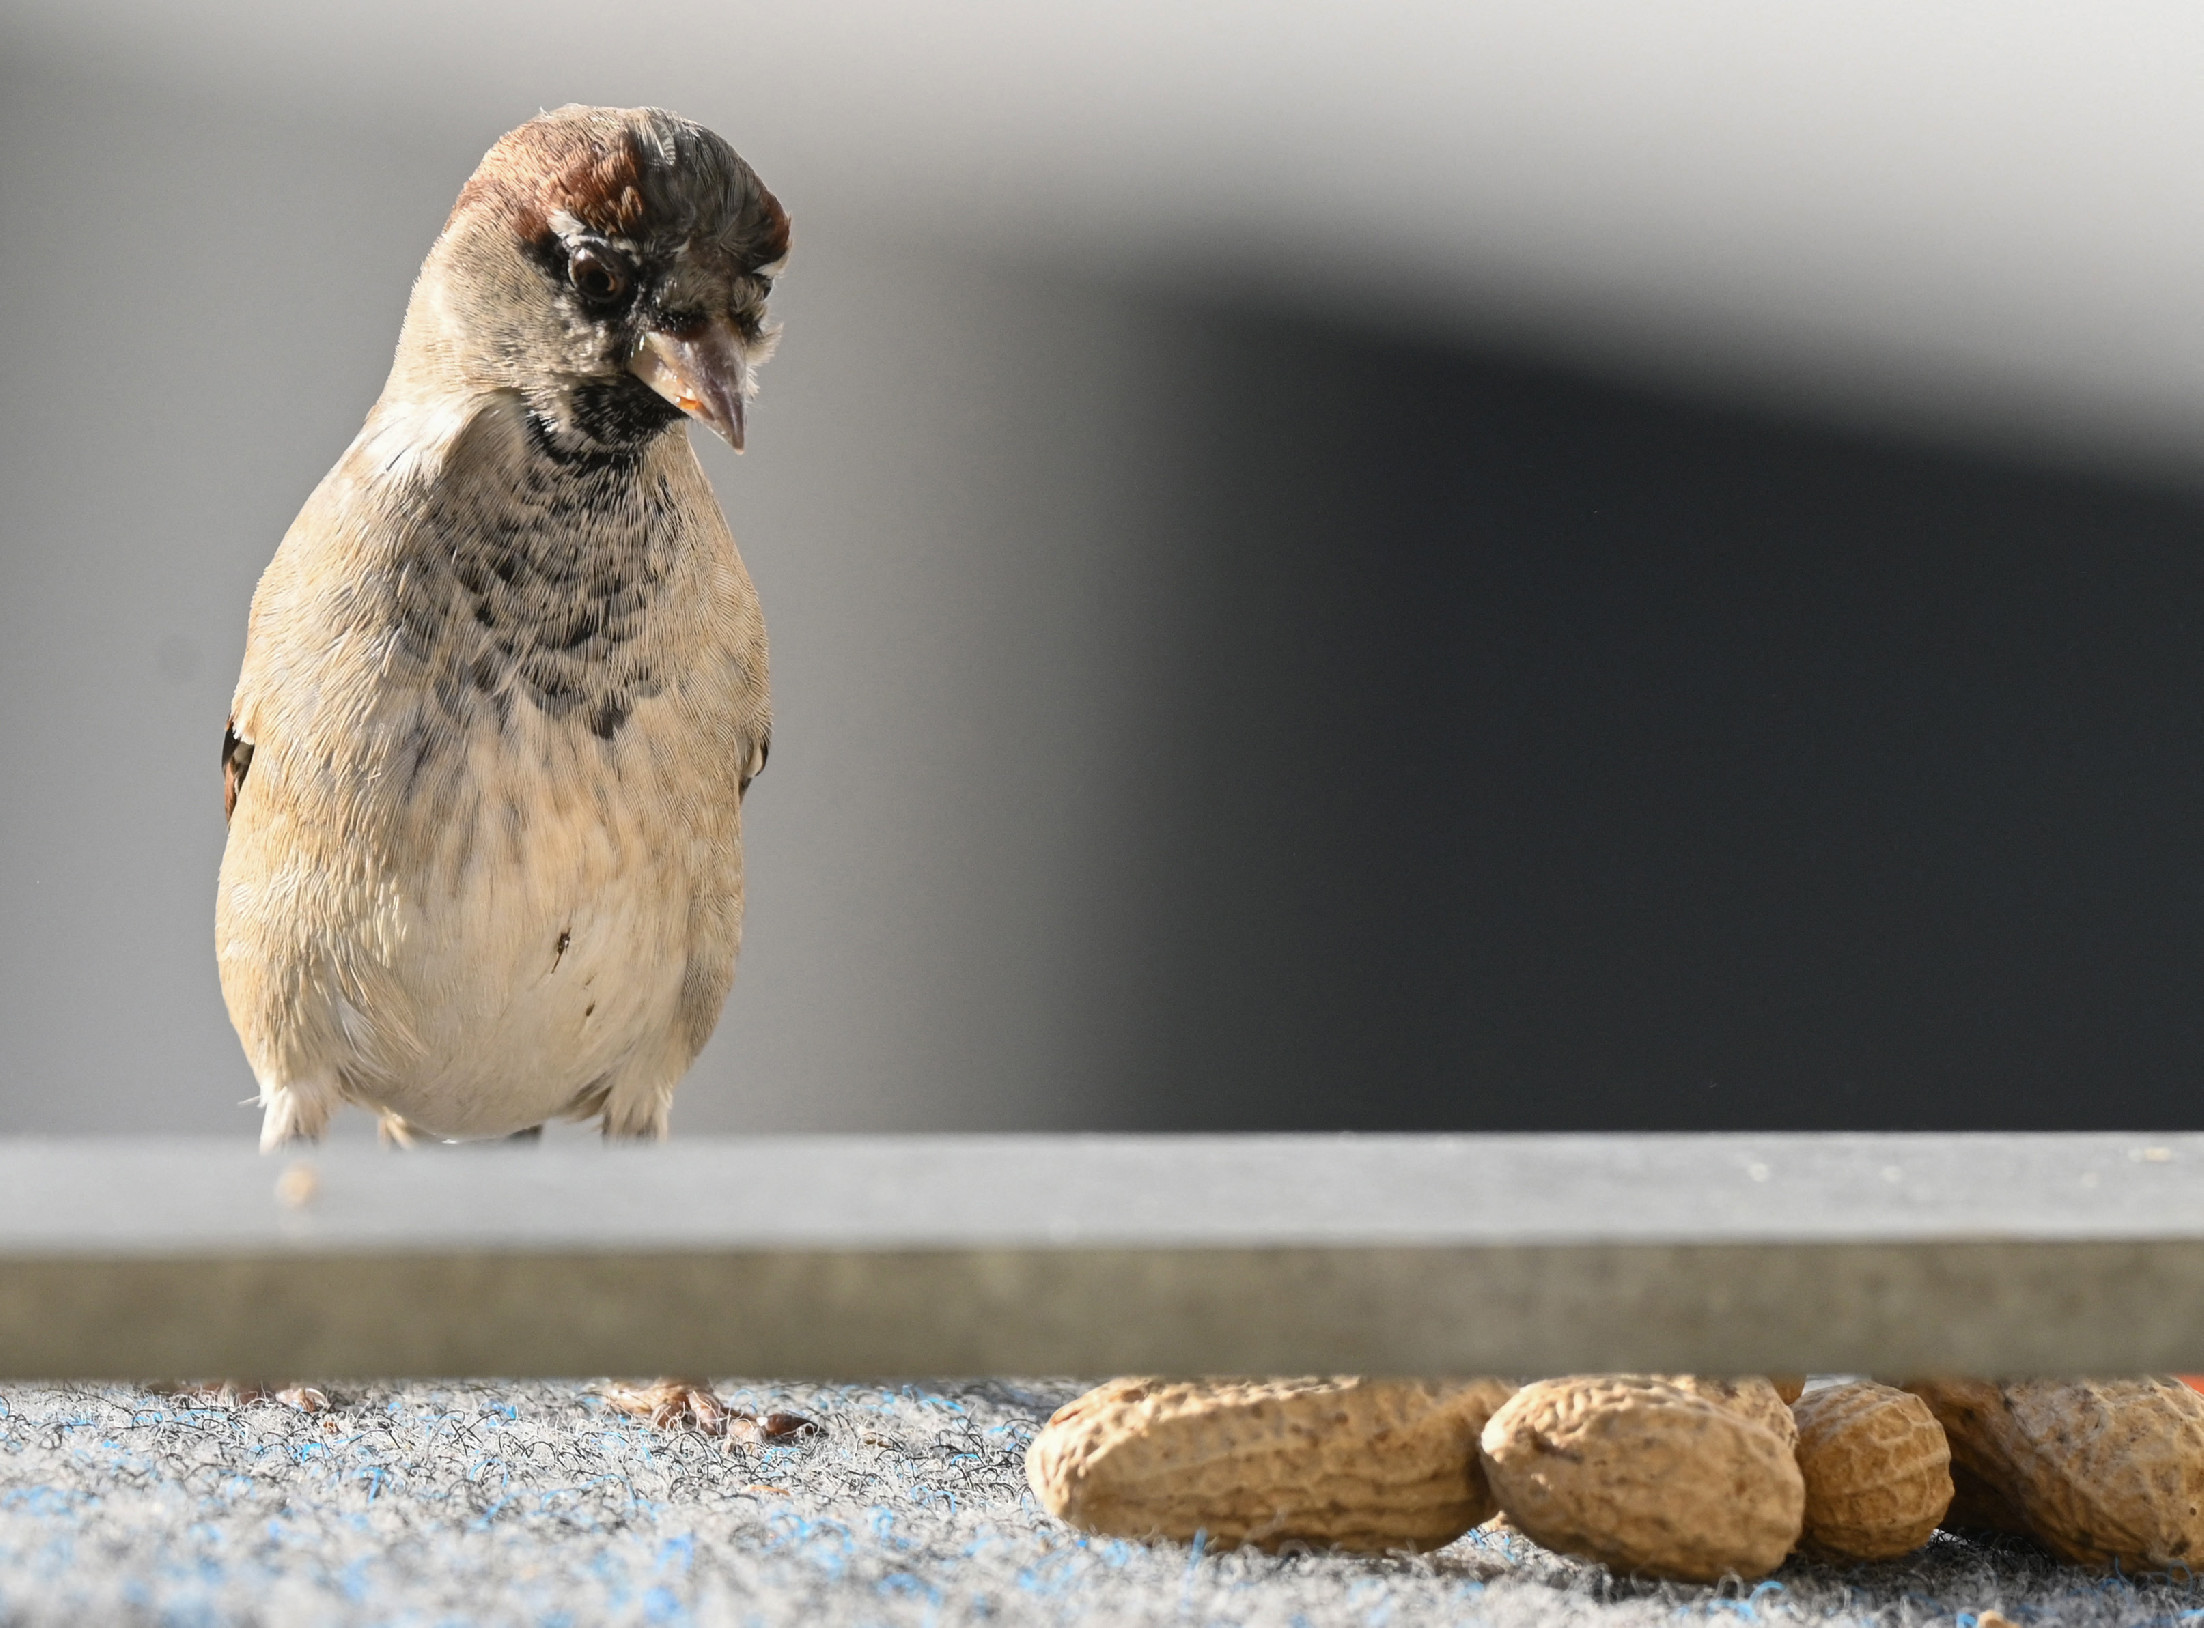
(296, 1187)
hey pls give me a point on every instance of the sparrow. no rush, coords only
(505, 679)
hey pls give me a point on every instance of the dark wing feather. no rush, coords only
(237, 757)
(755, 767)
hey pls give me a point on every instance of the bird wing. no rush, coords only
(237, 757)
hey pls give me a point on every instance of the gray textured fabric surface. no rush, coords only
(497, 1504)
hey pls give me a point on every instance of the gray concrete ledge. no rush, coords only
(862, 1257)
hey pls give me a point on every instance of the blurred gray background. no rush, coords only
(1518, 565)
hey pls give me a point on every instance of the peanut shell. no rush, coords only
(1367, 1464)
(1877, 1469)
(1649, 1475)
(1755, 1396)
(2102, 1472)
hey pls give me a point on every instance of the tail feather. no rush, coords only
(297, 1112)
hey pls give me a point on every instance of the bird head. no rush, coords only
(611, 267)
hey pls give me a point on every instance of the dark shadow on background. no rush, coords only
(1543, 754)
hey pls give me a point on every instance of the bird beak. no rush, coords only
(703, 370)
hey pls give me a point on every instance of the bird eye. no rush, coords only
(599, 277)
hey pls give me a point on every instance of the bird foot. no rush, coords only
(229, 1393)
(675, 1404)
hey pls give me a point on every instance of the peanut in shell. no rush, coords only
(1364, 1464)
(1877, 1471)
(2103, 1473)
(1690, 1480)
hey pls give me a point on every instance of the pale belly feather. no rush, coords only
(537, 947)
(543, 946)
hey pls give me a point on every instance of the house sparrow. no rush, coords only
(505, 679)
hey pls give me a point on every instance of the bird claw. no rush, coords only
(673, 1404)
(229, 1393)
(778, 1427)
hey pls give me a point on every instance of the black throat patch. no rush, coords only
(616, 416)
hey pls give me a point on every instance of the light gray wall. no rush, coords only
(935, 507)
